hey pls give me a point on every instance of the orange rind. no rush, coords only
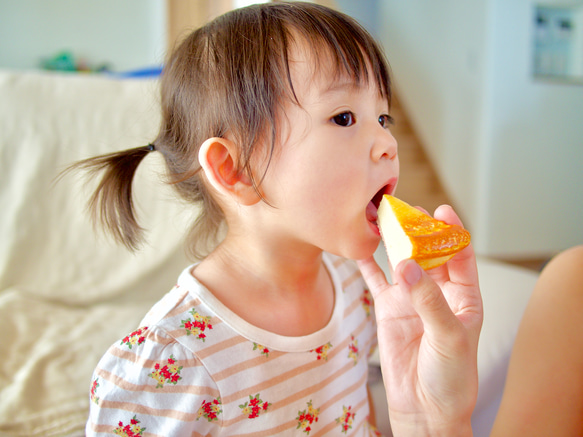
(409, 233)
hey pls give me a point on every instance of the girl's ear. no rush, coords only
(218, 159)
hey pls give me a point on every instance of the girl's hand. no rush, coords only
(428, 329)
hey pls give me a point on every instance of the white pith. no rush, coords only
(397, 242)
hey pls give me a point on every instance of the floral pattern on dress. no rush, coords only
(197, 326)
(132, 429)
(94, 386)
(262, 349)
(345, 421)
(210, 410)
(307, 418)
(366, 301)
(372, 430)
(168, 373)
(254, 407)
(136, 338)
(322, 351)
(353, 349)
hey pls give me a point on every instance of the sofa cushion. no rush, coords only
(49, 248)
(66, 291)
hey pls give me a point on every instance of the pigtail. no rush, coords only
(112, 205)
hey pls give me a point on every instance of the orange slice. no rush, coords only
(410, 233)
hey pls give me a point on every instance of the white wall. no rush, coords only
(537, 127)
(508, 149)
(365, 11)
(128, 34)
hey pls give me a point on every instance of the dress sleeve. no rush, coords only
(150, 383)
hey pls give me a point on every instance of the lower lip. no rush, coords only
(390, 190)
(375, 228)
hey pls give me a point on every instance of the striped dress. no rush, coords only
(194, 368)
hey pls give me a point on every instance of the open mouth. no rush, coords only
(373, 205)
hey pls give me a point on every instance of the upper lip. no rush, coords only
(388, 188)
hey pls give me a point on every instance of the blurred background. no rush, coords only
(489, 100)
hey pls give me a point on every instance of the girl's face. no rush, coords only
(334, 158)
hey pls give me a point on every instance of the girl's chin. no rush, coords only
(357, 244)
(366, 249)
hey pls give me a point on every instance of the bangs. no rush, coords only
(335, 37)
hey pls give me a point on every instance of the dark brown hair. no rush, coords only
(230, 76)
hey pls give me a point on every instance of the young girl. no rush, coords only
(276, 122)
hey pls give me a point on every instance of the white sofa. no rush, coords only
(67, 293)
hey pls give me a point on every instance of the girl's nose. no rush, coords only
(384, 147)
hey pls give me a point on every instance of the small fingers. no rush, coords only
(423, 210)
(462, 267)
(373, 275)
(447, 214)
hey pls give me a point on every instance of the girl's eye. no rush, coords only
(344, 119)
(386, 120)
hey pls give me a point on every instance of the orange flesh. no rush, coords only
(431, 238)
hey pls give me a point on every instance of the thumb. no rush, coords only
(426, 298)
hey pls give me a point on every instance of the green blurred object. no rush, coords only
(66, 61)
(63, 61)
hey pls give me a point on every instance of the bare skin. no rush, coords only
(270, 303)
(428, 329)
(544, 388)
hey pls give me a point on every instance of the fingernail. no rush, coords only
(411, 272)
